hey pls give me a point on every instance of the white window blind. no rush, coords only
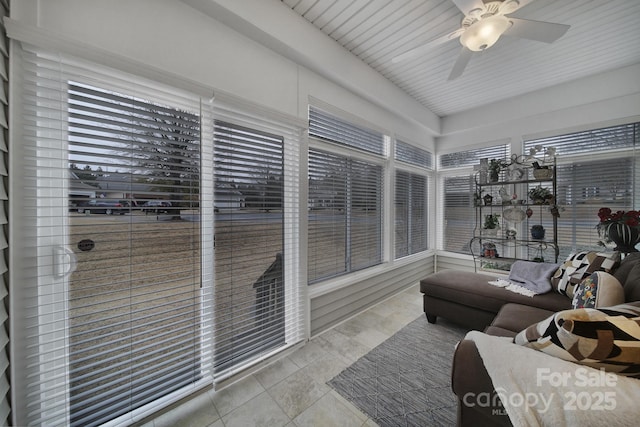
(410, 213)
(456, 195)
(345, 197)
(472, 157)
(114, 301)
(595, 168)
(334, 129)
(5, 407)
(249, 236)
(259, 299)
(345, 215)
(412, 155)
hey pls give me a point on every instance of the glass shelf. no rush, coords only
(522, 181)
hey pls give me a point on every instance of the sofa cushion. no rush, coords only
(473, 290)
(499, 332)
(632, 284)
(625, 267)
(606, 338)
(516, 317)
(598, 290)
(579, 266)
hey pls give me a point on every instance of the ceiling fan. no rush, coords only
(482, 26)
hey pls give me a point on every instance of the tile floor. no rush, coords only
(292, 392)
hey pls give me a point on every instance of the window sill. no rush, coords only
(331, 285)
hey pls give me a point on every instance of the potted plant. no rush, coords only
(537, 232)
(622, 228)
(491, 224)
(542, 172)
(540, 195)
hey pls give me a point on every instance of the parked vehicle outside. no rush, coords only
(107, 207)
(157, 206)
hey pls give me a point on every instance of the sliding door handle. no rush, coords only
(64, 262)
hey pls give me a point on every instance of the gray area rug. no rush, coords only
(406, 380)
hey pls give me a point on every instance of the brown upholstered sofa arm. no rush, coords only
(478, 404)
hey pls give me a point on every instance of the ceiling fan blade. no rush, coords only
(467, 6)
(461, 63)
(428, 45)
(547, 32)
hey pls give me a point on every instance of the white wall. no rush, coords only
(171, 37)
(595, 101)
(273, 24)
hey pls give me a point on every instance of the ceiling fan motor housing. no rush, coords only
(483, 33)
(490, 9)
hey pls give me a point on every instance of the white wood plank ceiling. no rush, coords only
(604, 35)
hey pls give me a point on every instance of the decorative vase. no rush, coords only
(624, 236)
(537, 232)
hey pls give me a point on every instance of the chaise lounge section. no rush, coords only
(469, 300)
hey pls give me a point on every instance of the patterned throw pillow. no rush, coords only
(579, 266)
(604, 338)
(598, 290)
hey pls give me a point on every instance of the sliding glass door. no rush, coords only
(134, 297)
(155, 249)
(117, 313)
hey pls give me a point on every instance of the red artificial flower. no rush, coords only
(630, 218)
(604, 214)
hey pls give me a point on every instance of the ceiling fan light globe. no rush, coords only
(483, 34)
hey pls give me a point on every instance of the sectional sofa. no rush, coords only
(467, 298)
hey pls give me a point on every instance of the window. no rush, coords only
(456, 197)
(345, 198)
(595, 168)
(411, 213)
(114, 306)
(411, 196)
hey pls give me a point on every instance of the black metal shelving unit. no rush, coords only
(496, 251)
